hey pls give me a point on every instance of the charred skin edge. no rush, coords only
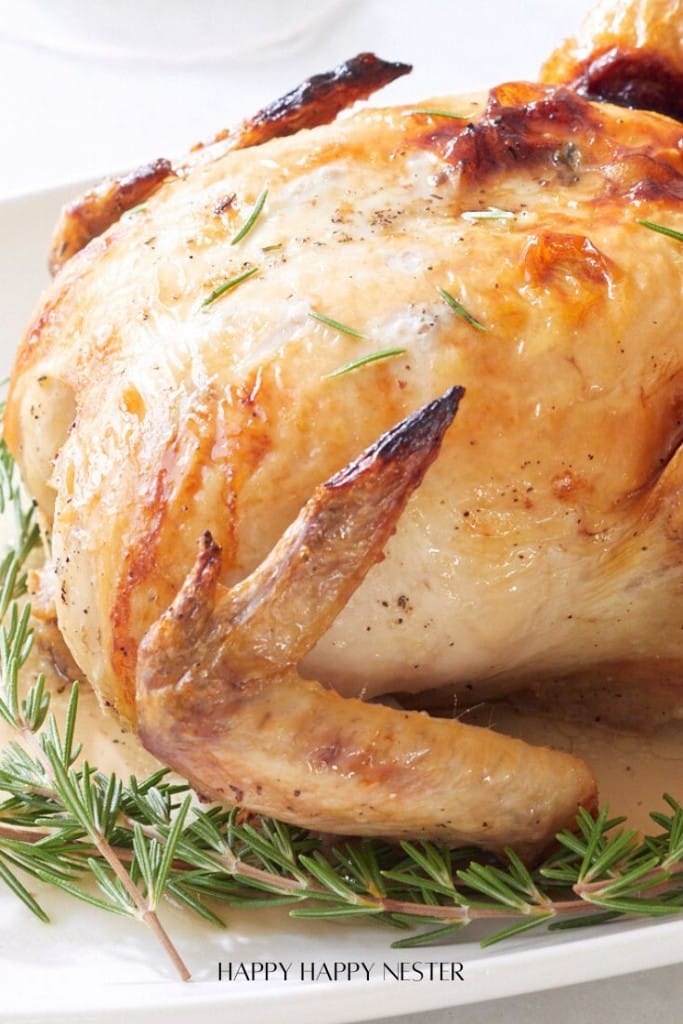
(316, 101)
(319, 99)
(421, 430)
(91, 214)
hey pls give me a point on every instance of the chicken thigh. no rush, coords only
(234, 403)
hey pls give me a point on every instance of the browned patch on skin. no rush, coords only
(522, 124)
(243, 436)
(92, 213)
(341, 758)
(570, 264)
(631, 77)
(134, 402)
(643, 176)
(137, 565)
(551, 257)
(568, 486)
(553, 131)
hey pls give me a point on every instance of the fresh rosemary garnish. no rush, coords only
(662, 229)
(69, 825)
(251, 219)
(228, 286)
(490, 213)
(335, 324)
(373, 357)
(428, 112)
(460, 310)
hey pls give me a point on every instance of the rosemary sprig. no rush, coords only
(662, 229)
(227, 286)
(372, 357)
(336, 325)
(128, 847)
(460, 310)
(251, 219)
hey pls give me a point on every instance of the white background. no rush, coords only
(88, 87)
(68, 115)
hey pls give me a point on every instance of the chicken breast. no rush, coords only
(229, 362)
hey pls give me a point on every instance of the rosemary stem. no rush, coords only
(238, 868)
(588, 890)
(23, 835)
(151, 919)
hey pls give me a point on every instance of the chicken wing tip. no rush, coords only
(422, 431)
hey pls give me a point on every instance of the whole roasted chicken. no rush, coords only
(234, 408)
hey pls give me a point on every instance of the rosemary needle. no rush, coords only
(662, 229)
(251, 219)
(228, 286)
(428, 112)
(335, 324)
(490, 213)
(460, 310)
(373, 357)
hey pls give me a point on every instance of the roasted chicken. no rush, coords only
(227, 400)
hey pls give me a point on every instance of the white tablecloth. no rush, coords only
(74, 106)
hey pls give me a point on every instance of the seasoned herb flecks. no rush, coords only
(336, 325)
(373, 357)
(228, 286)
(460, 310)
(251, 219)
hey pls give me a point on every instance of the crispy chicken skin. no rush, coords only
(316, 101)
(96, 210)
(500, 253)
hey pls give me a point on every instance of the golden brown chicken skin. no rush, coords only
(180, 379)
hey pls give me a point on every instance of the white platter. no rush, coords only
(91, 967)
